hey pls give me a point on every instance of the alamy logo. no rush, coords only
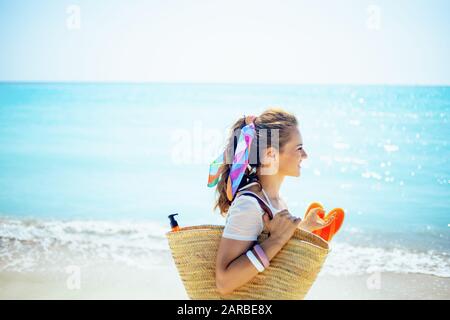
(73, 21)
(73, 281)
(374, 17)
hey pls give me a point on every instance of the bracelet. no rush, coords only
(261, 255)
(255, 261)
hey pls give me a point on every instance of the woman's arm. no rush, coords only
(233, 268)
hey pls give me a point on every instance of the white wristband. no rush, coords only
(255, 261)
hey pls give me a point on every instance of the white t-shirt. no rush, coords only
(244, 219)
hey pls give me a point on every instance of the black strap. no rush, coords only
(260, 201)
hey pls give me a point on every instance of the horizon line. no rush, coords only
(219, 83)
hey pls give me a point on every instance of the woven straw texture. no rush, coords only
(290, 275)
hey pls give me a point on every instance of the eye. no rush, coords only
(300, 148)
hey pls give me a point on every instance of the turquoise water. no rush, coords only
(113, 152)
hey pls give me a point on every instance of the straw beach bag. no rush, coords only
(290, 275)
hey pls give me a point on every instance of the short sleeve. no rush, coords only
(244, 219)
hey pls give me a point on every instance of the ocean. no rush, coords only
(93, 169)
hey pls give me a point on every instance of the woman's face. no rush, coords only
(292, 155)
(287, 162)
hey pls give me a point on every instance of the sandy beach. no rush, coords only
(121, 282)
(392, 286)
(111, 260)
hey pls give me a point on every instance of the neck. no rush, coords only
(271, 185)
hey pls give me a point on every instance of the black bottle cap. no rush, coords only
(173, 222)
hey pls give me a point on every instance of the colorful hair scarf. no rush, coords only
(240, 160)
(214, 174)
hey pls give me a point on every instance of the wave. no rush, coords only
(39, 245)
(346, 259)
(42, 245)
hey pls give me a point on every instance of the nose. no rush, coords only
(304, 155)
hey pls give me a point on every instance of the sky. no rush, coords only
(210, 41)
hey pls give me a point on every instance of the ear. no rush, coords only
(272, 153)
(270, 162)
(267, 156)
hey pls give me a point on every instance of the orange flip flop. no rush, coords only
(337, 214)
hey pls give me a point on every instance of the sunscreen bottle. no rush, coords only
(173, 222)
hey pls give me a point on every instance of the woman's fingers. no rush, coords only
(292, 218)
(324, 223)
(283, 213)
(315, 210)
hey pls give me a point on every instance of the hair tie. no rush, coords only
(249, 119)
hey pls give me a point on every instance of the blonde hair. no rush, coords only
(273, 118)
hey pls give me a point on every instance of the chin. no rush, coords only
(296, 173)
(293, 173)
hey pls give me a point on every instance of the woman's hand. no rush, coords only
(282, 226)
(313, 221)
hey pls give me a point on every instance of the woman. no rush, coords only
(277, 151)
